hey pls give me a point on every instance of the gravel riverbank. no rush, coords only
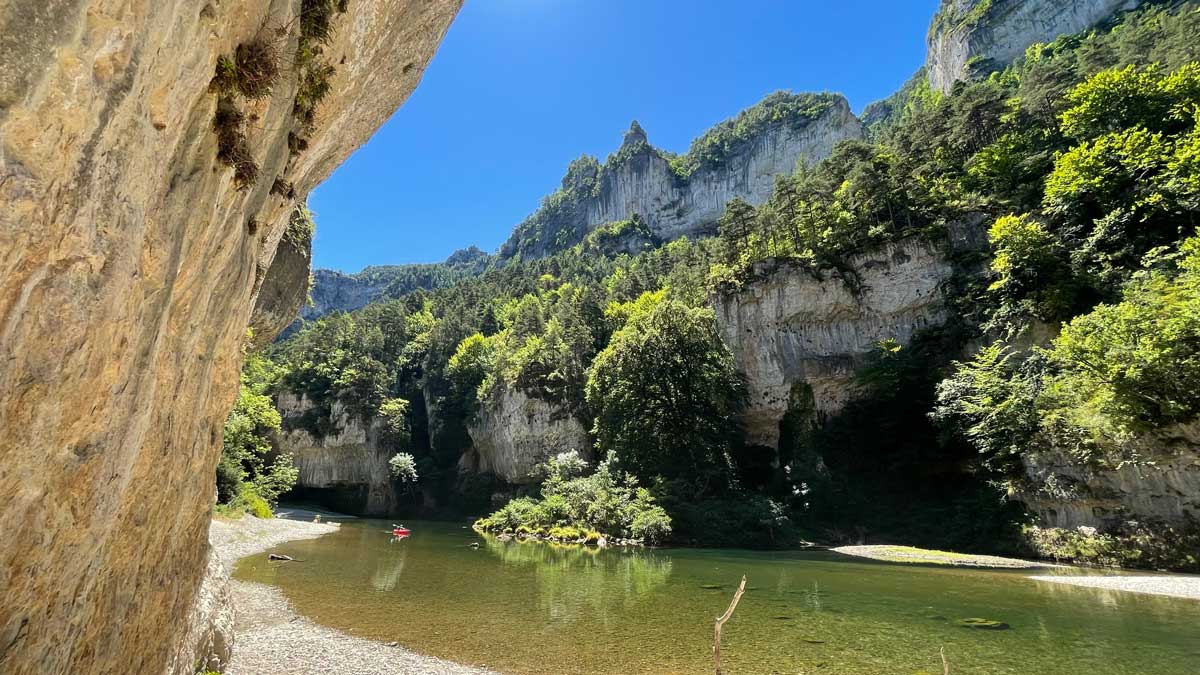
(909, 554)
(1174, 586)
(272, 639)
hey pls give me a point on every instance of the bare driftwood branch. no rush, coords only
(945, 663)
(721, 622)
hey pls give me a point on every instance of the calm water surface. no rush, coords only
(540, 608)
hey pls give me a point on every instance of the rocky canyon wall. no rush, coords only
(644, 183)
(335, 291)
(348, 457)
(967, 35)
(129, 267)
(792, 326)
(771, 138)
(513, 432)
(1164, 485)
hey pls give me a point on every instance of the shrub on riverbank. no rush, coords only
(1132, 544)
(583, 508)
(245, 501)
(251, 474)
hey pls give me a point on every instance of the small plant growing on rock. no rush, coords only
(225, 78)
(252, 71)
(316, 18)
(296, 143)
(283, 188)
(314, 72)
(300, 227)
(314, 86)
(233, 149)
(257, 68)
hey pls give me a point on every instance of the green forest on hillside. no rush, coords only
(1083, 161)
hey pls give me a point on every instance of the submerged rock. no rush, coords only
(983, 624)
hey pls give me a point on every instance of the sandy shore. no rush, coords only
(1174, 586)
(909, 554)
(271, 639)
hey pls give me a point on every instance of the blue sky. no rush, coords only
(521, 87)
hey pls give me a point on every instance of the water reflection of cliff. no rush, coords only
(388, 570)
(574, 580)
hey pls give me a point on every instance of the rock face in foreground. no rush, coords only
(1166, 487)
(514, 432)
(348, 459)
(788, 329)
(129, 266)
(283, 291)
(986, 34)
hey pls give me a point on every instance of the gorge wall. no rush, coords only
(973, 36)
(792, 326)
(513, 432)
(336, 291)
(346, 460)
(644, 183)
(764, 141)
(129, 267)
(1164, 485)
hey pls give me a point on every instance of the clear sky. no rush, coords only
(521, 87)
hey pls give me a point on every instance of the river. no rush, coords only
(541, 608)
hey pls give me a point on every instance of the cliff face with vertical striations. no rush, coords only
(981, 35)
(513, 432)
(1164, 486)
(348, 458)
(644, 183)
(129, 267)
(789, 327)
(683, 195)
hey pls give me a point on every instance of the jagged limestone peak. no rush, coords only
(635, 135)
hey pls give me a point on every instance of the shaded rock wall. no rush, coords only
(208, 640)
(128, 271)
(985, 34)
(515, 431)
(788, 327)
(283, 291)
(1165, 485)
(348, 457)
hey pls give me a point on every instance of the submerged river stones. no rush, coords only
(982, 624)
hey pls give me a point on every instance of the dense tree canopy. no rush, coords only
(666, 394)
(1081, 160)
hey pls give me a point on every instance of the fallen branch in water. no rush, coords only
(721, 622)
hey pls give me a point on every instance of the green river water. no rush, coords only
(541, 608)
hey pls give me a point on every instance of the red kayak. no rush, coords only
(401, 531)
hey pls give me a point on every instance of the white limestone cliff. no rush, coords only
(513, 432)
(788, 327)
(348, 456)
(968, 34)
